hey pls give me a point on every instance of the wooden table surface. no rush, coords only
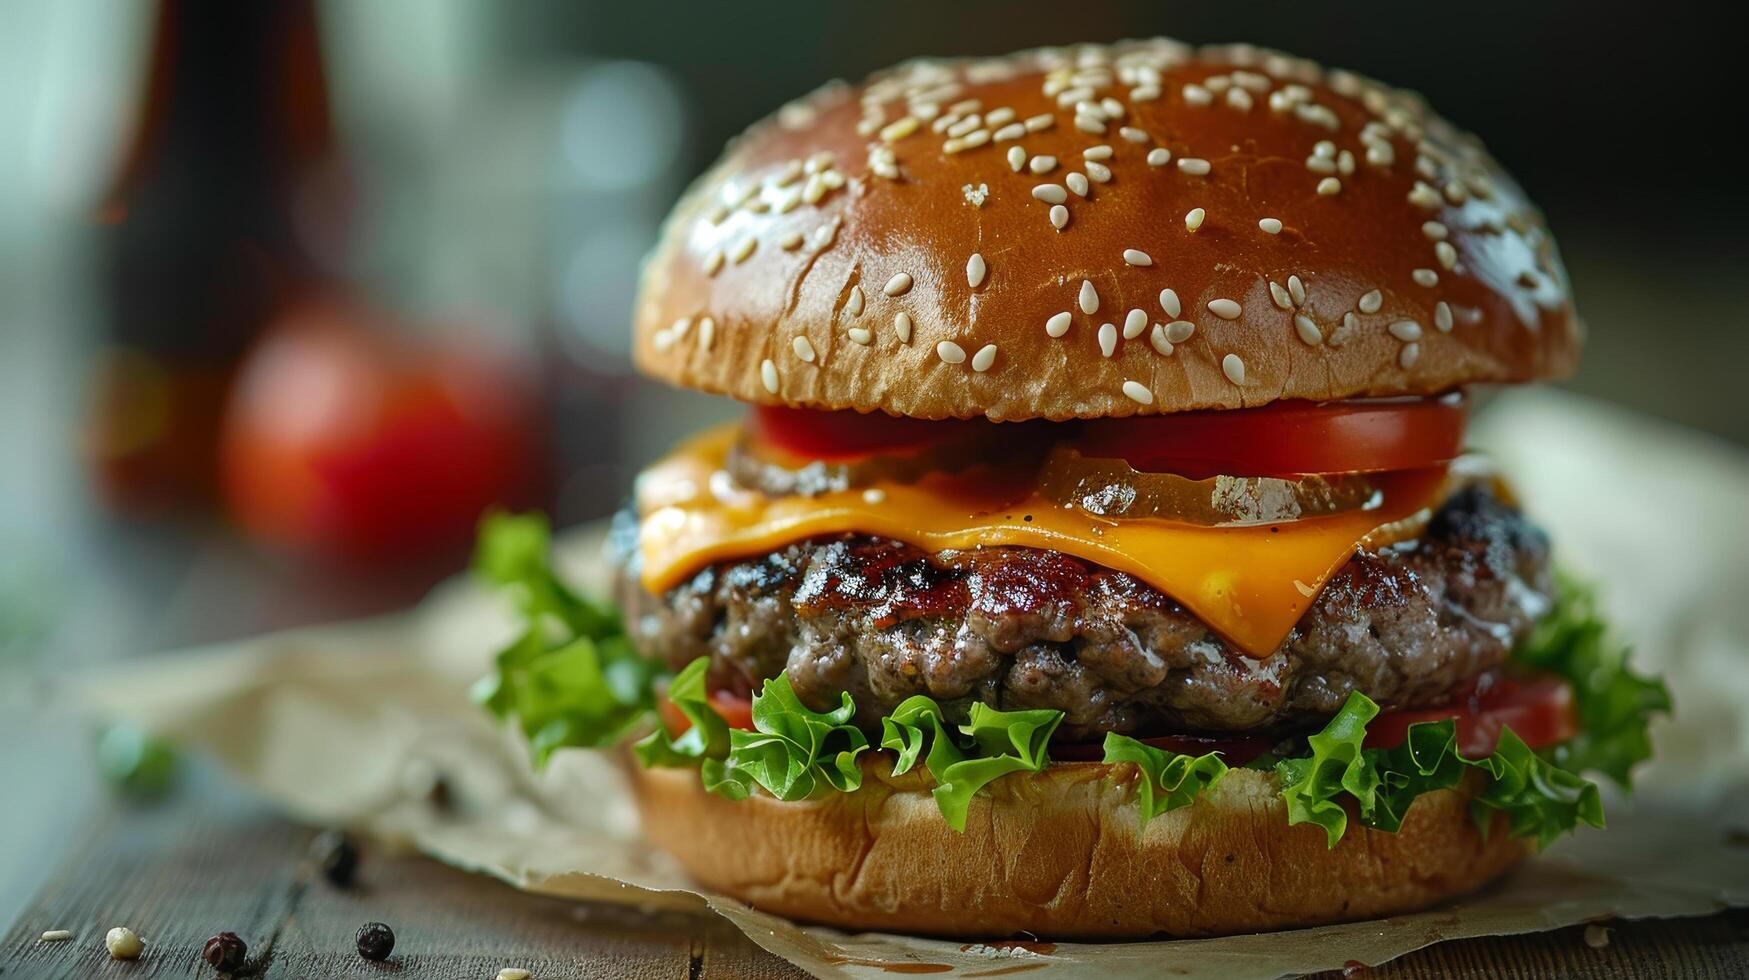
(213, 859)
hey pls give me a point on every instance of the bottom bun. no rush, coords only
(1062, 855)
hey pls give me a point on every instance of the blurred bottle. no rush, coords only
(229, 198)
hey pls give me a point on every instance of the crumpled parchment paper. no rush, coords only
(351, 724)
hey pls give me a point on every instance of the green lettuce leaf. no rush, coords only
(708, 738)
(1540, 800)
(993, 744)
(793, 752)
(570, 678)
(1615, 705)
(1170, 779)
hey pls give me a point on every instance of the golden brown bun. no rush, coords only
(1062, 854)
(831, 198)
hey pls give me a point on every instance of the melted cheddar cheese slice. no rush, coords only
(1251, 583)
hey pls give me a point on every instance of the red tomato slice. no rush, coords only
(813, 434)
(1539, 710)
(736, 712)
(1286, 439)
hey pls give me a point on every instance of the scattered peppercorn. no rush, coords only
(123, 944)
(336, 856)
(375, 941)
(225, 952)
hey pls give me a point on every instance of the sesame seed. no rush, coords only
(57, 935)
(1088, 124)
(985, 357)
(707, 332)
(1405, 330)
(1234, 368)
(743, 249)
(1040, 122)
(1345, 163)
(1423, 196)
(950, 352)
(1371, 301)
(1016, 158)
(1159, 156)
(1320, 165)
(1112, 107)
(768, 374)
(1108, 339)
(899, 285)
(1100, 152)
(853, 304)
(1297, 290)
(1169, 303)
(1380, 154)
(1425, 277)
(1270, 226)
(679, 327)
(1089, 298)
(1226, 309)
(1133, 134)
(1329, 186)
(1193, 218)
(1058, 324)
(1012, 131)
(975, 269)
(1050, 193)
(1134, 323)
(1409, 355)
(1137, 392)
(713, 262)
(1239, 99)
(790, 242)
(874, 495)
(1059, 217)
(662, 340)
(1077, 182)
(804, 349)
(1307, 329)
(1098, 172)
(1158, 340)
(1197, 95)
(1442, 316)
(1434, 230)
(861, 335)
(998, 117)
(1179, 331)
(1042, 164)
(1193, 166)
(1446, 254)
(1135, 256)
(899, 129)
(1280, 296)
(902, 327)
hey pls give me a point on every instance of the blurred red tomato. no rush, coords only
(346, 441)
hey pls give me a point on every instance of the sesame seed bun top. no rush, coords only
(1137, 228)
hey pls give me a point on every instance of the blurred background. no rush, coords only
(290, 291)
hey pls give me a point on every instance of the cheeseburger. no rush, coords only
(1098, 555)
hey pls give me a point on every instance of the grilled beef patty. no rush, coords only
(1028, 628)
